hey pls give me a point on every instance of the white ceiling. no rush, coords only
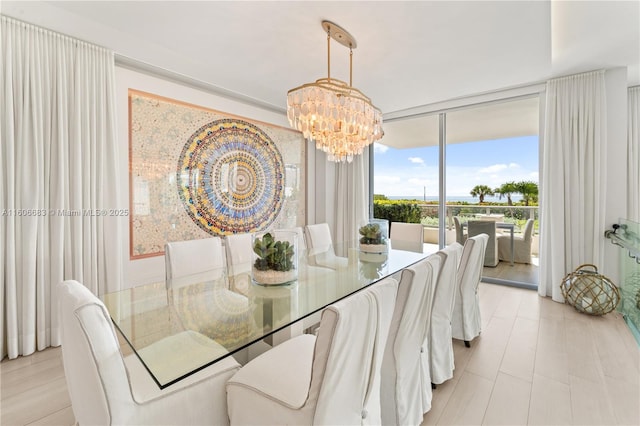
(409, 54)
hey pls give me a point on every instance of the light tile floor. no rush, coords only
(537, 362)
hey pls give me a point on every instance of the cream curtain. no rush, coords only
(633, 155)
(59, 183)
(573, 178)
(352, 195)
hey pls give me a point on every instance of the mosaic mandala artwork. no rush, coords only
(230, 178)
(196, 172)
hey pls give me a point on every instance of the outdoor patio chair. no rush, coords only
(521, 245)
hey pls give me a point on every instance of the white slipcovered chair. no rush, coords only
(320, 248)
(521, 245)
(202, 263)
(407, 236)
(239, 252)
(441, 347)
(406, 384)
(477, 227)
(332, 379)
(465, 322)
(194, 261)
(107, 388)
(305, 273)
(461, 237)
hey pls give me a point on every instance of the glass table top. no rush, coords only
(178, 331)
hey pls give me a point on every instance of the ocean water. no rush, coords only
(471, 200)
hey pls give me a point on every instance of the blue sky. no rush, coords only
(407, 171)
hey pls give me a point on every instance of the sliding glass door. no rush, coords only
(473, 163)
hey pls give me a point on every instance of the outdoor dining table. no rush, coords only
(146, 314)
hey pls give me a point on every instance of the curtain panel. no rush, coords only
(352, 197)
(633, 155)
(58, 160)
(573, 194)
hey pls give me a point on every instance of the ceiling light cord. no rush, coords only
(329, 55)
(350, 66)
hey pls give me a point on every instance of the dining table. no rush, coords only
(147, 314)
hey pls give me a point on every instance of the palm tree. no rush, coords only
(529, 191)
(506, 189)
(481, 191)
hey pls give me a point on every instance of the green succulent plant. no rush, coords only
(371, 234)
(273, 255)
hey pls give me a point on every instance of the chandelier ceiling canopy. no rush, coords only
(338, 117)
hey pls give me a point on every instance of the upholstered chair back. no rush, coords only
(441, 349)
(461, 237)
(407, 236)
(193, 261)
(465, 322)
(346, 365)
(333, 379)
(107, 388)
(477, 227)
(527, 233)
(320, 248)
(91, 357)
(406, 387)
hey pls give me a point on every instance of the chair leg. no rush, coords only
(467, 343)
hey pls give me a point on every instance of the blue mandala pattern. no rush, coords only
(230, 178)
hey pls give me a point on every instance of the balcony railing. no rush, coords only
(510, 214)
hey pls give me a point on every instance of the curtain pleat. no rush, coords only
(59, 167)
(573, 195)
(633, 155)
(352, 196)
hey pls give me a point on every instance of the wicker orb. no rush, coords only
(590, 292)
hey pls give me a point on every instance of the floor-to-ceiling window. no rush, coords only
(485, 157)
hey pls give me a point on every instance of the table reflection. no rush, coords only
(236, 319)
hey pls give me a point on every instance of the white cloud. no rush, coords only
(514, 166)
(386, 179)
(379, 148)
(416, 160)
(493, 169)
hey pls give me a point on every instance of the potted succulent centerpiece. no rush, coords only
(373, 238)
(275, 258)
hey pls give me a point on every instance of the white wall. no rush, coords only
(616, 207)
(143, 271)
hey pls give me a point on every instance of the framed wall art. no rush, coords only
(196, 172)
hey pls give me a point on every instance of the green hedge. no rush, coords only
(396, 211)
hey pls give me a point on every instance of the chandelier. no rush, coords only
(338, 117)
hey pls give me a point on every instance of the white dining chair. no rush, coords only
(332, 379)
(307, 273)
(239, 253)
(202, 263)
(194, 261)
(521, 245)
(465, 322)
(108, 389)
(441, 347)
(320, 248)
(407, 236)
(406, 385)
